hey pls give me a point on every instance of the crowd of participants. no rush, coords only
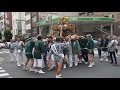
(59, 53)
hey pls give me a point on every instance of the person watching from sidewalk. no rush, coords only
(116, 51)
(104, 43)
(112, 50)
(98, 47)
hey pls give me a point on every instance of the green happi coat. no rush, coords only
(76, 47)
(84, 43)
(38, 49)
(29, 48)
(90, 45)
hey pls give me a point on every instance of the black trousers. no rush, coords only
(44, 57)
(112, 54)
(99, 52)
(116, 51)
(85, 54)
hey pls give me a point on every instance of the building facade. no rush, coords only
(8, 20)
(34, 20)
(116, 15)
(28, 22)
(2, 24)
(5, 22)
(86, 28)
(18, 20)
(33, 17)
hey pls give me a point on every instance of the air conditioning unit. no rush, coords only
(81, 13)
(106, 16)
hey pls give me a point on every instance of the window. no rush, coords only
(119, 26)
(7, 22)
(118, 15)
(28, 31)
(34, 19)
(81, 13)
(34, 13)
(27, 22)
(26, 13)
(1, 23)
(34, 30)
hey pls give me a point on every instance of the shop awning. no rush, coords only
(82, 20)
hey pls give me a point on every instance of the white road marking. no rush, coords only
(10, 77)
(4, 74)
(1, 52)
(2, 71)
(1, 68)
(5, 52)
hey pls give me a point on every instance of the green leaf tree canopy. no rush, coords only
(8, 35)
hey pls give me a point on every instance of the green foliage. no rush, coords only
(8, 35)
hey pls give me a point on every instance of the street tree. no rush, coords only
(8, 35)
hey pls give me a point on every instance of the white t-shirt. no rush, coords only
(115, 42)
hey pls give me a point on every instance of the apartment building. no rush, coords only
(5, 22)
(2, 24)
(28, 22)
(116, 15)
(34, 21)
(18, 21)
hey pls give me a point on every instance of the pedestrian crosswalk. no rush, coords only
(4, 74)
(4, 51)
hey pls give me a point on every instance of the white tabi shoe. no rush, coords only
(41, 72)
(90, 65)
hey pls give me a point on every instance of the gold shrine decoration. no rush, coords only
(63, 28)
(64, 20)
(66, 26)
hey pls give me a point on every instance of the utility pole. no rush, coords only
(4, 21)
(31, 24)
(51, 23)
(111, 29)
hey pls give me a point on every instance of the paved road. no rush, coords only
(100, 70)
